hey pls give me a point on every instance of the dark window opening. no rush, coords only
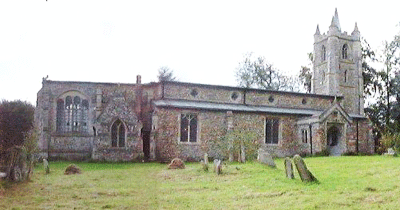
(234, 96)
(271, 131)
(323, 53)
(271, 99)
(188, 128)
(344, 51)
(304, 135)
(194, 93)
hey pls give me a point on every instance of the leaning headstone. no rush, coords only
(46, 166)
(266, 158)
(176, 163)
(215, 164)
(289, 168)
(305, 174)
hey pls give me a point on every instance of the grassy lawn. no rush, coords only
(346, 183)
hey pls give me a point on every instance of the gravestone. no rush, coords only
(289, 168)
(304, 173)
(206, 158)
(390, 152)
(46, 166)
(266, 158)
(204, 165)
(217, 166)
(176, 163)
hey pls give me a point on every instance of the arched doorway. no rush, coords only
(333, 137)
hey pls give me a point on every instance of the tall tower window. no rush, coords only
(344, 51)
(323, 53)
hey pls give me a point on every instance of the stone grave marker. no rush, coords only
(46, 166)
(266, 158)
(304, 173)
(289, 168)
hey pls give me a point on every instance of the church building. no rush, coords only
(163, 120)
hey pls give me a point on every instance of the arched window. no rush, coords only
(72, 115)
(323, 53)
(118, 134)
(344, 51)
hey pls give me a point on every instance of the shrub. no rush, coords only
(391, 141)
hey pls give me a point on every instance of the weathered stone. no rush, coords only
(390, 152)
(46, 166)
(176, 163)
(204, 166)
(218, 166)
(206, 158)
(266, 158)
(289, 168)
(304, 173)
(72, 169)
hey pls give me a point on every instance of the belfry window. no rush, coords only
(271, 131)
(188, 128)
(118, 134)
(344, 51)
(323, 53)
(72, 115)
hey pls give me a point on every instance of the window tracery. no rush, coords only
(72, 115)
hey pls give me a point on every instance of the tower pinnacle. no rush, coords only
(335, 20)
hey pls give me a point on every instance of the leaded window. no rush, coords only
(188, 128)
(118, 134)
(271, 131)
(72, 115)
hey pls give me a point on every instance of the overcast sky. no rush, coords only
(202, 41)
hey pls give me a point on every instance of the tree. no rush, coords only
(18, 139)
(16, 120)
(370, 76)
(258, 73)
(165, 74)
(305, 74)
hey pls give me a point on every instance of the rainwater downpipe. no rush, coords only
(310, 127)
(357, 136)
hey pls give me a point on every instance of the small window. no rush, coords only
(271, 131)
(345, 76)
(304, 101)
(234, 96)
(304, 136)
(194, 93)
(188, 128)
(323, 53)
(344, 51)
(271, 99)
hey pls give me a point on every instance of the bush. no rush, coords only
(391, 141)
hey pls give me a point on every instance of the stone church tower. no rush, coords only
(337, 68)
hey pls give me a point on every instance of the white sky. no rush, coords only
(202, 41)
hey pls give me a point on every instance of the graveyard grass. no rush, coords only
(367, 182)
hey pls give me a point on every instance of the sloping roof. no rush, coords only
(233, 107)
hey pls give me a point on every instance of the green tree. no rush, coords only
(258, 73)
(165, 74)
